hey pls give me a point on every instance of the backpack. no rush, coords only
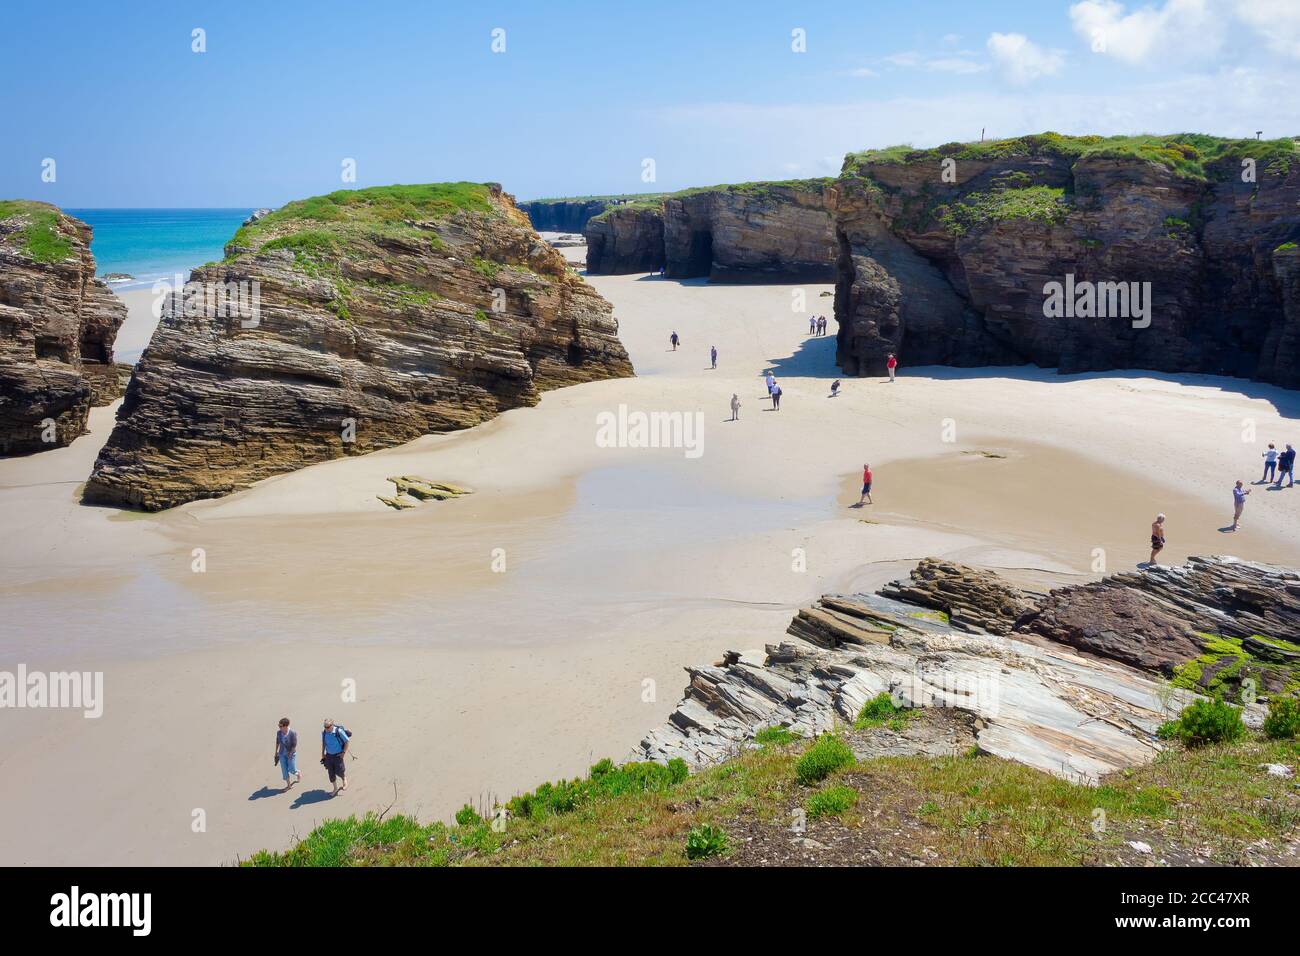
(337, 728)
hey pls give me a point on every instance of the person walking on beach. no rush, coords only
(776, 397)
(334, 742)
(1238, 503)
(286, 753)
(1286, 466)
(812, 325)
(866, 486)
(713, 355)
(835, 388)
(891, 364)
(1270, 463)
(674, 340)
(771, 381)
(735, 407)
(1157, 537)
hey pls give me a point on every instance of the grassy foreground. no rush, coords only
(1211, 804)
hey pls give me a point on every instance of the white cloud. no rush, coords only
(1277, 21)
(906, 60)
(954, 64)
(1179, 29)
(959, 62)
(1022, 60)
(861, 71)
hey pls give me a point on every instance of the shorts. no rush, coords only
(1157, 543)
(335, 767)
(866, 489)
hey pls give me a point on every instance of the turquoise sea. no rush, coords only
(152, 244)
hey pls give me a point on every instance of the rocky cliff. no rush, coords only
(752, 232)
(1164, 252)
(57, 326)
(625, 239)
(567, 215)
(346, 323)
(956, 637)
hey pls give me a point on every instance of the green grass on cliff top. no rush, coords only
(1187, 154)
(630, 197)
(757, 190)
(962, 810)
(41, 239)
(375, 209)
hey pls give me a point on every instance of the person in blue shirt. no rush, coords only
(334, 754)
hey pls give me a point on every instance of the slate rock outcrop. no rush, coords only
(381, 315)
(1210, 624)
(1012, 661)
(57, 328)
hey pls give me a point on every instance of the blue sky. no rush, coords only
(585, 91)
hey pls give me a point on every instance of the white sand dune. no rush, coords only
(621, 566)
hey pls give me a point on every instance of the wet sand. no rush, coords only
(621, 565)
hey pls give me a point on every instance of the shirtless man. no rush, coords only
(1157, 538)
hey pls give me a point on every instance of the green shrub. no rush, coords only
(705, 840)
(827, 754)
(1283, 720)
(775, 735)
(467, 816)
(1205, 721)
(877, 711)
(605, 779)
(830, 801)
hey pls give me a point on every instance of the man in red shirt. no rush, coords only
(891, 363)
(866, 486)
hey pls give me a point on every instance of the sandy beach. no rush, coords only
(522, 632)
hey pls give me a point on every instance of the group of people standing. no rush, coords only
(816, 325)
(1277, 465)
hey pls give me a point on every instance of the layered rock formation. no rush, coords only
(377, 315)
(565, 215)
(57, 327)
(629, 238)
(754, 232)
(1012, 664)
(946, 256)
(1211, 624)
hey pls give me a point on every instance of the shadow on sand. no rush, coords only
(308, 797)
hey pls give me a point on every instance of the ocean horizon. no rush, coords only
(152, 244)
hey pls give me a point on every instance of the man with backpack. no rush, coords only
(334, 741)
(1286, 468)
